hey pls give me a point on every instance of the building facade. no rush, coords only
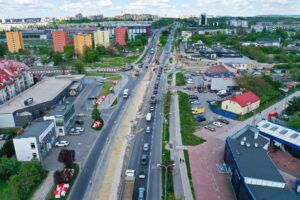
(241, 104)
(101, 38)
(81, 41)
(14, 41)
(120, 35)
(15, 77)
(60, 40)
(35, 142)
(203, 20)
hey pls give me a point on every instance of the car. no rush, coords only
(80, 115)
(62, 143)
(1, 136)
(144, 159)
(92, 98)
(75, 132)
(189, 82)
(195, 102)
(217, 124)
(80, 129)
(148, 129)
(200, 118)
(211, 128)
(152, 108)
(99, 83)
(79, 122)
(141, 193)
(146, 147)
(195, 97)
(154, 91)
(142, 175)
(224, 121)
(6, 137)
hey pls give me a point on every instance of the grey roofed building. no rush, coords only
(266, 193)
(35, 129)
(234, 60)
(266, 40)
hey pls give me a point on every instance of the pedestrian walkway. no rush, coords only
(42, 192)
(110, 98)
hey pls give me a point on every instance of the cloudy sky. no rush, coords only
(63, 8)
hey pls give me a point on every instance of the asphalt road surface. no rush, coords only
(81, 185)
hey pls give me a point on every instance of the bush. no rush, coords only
(180, 81)
(8, 149)
(8, 167)
(67, 157)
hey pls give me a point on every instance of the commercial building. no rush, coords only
(63, 117)
(101, 38)
(267, 42)
(217, 77)
(132, 28)
(36, 101)
(203, 19)
(60, 40)
(15, 77)
(35, 141)
(283, 137)
(14, 41)
(238, 23)
(241, 104)
(81, 41)
(238, 63)
(120, 35)
(252, 173)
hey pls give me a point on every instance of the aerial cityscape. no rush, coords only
(150, 100)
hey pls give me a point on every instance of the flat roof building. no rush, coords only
(101, 38)
(251, 171)
(14, 41)
(60, 40)
(82, 41)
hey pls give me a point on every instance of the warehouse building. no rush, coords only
(36, 141)
(280, 136)
(36, 101)
(252, 173)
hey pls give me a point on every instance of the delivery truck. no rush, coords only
(129, 184)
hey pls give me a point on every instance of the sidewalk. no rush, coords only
(42, 192)
(182, 186)
(110, 98)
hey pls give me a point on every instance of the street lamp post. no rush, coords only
(166, 167)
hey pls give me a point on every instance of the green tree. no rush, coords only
(293, 106)
(96, 114)
(90, 55)
(79, 67)
(101, 49)
(280, 32)
(44, 59)
(69, 52)
(126, 36)
(294, 121)
(8, 167)
(2, 50)
(8, 149)
(57, 58)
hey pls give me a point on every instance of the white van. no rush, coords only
(125, 93)
(148, 117)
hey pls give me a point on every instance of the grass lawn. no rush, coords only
(170, 79)
(108, 84)
(104, 74)
(188, 167)
(187, 122)
(3, 185)
(115, 102)
(113, 61)
(180, 81)
(50, 194)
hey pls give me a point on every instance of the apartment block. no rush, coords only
(120, 34)
(14, 41)
(101, 38)
(60, 40)
(81, 41)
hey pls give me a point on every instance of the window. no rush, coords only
(283, 132)
(32, 145)
(266, 125)
(274, 128)
(294, 136)
(34, 155)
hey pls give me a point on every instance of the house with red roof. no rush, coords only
(241, 104)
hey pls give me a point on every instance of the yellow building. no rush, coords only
(241, 104)
(81, 41)
(101, 38)
(14, 41)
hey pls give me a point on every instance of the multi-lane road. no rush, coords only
(82, 184)
(152, 182)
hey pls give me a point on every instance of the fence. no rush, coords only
(223, 112)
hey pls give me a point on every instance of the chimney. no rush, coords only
(256, 135)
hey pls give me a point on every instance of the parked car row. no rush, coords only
(219, 123)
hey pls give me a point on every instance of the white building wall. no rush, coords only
(261, 182)
(221, 83)
(24, 150)
(234, 107)
(7, 120)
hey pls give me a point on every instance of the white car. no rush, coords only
(80, 129)
(148, 129)
(75, 132)
(196, 102)
(62, 143)
(217, 124)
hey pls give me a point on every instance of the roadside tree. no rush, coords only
(67, 157)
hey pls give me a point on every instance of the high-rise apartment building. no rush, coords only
(60, 40)
(101, 38)
(120, 35)
(14, 41)
(81, 41)
(203, 20)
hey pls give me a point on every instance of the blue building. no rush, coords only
(252, 173)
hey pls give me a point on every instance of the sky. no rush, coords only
(64, 8)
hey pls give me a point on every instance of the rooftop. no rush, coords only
(252, 161)
(234, 60)
(264, 193)
(265, 40)
(280, 132)
(35, 129)
(245, 99)
(45, 90)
